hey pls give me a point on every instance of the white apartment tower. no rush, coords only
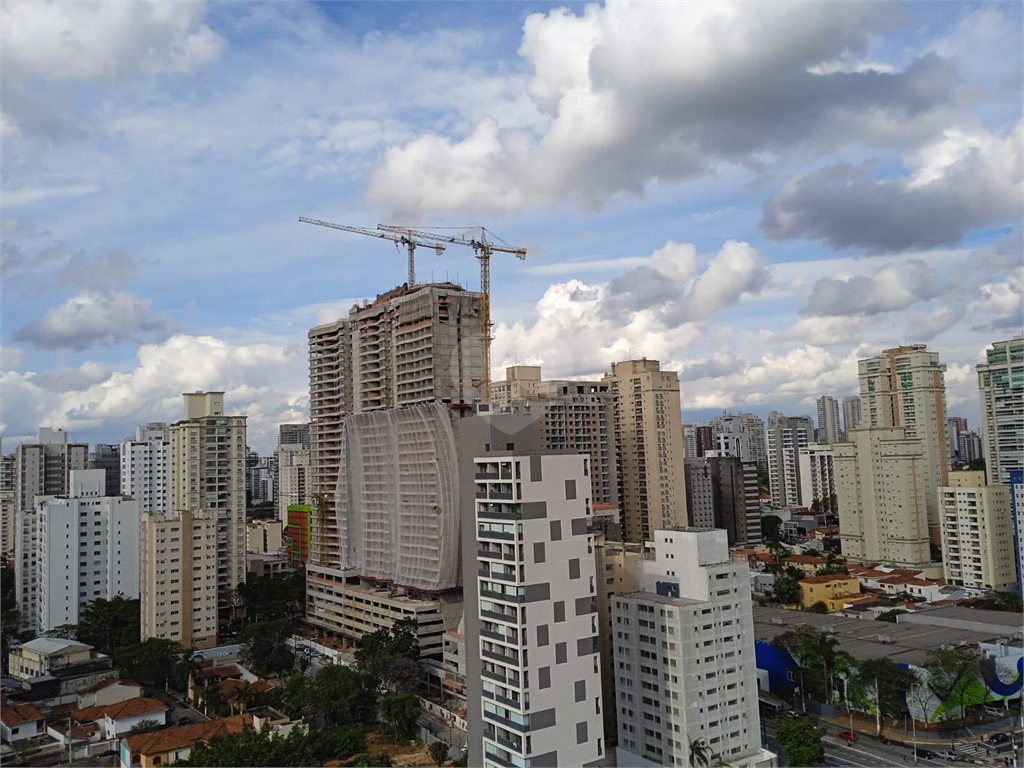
(978, 550)
(881, 487)
(1001, 384)
(8, 517)
(43, 468)
(649, 442)
(829, 430)
(786, 436)
(533, 678)
(178, 567)
(145, 466)
(741, 435)
(684, 656)
(905, 387)
(295, 479)
(208, 473)
(817, 474)
(87, 548)
(851, 415)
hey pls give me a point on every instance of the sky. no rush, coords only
(755, 194)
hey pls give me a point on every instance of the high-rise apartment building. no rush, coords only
(575, 416)
(970, 447)
(829, 430)
(649, 442)
(955, 426)
(411, 345)
(179, 561)
(8, 517)
(522, 382)
(533, 675)
(107, 458)
(43, 468)
(817, 474)
(295, 482)
(741, 435)
(208, 473)
(684, 652)
(977, 533)
(697, 438)
(737, 499)
(293, 434)
(851, 415)
(146, 466)
(881, 488)
(786, 436)
(700, 494)
(905, 387)
(87, 548)
(1001, 384)
(1017, 510)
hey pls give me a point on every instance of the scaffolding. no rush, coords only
(397, 497)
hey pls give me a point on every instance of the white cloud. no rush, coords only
(12, 197)
(54, 40)
(92, 317)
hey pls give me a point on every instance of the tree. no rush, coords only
(700, 753)
(64, 631)
(771, 529)
(400, 711)
(889, 616)
(953, 673)
(392, 656)
(976, 465)
(151, 662)
(787, 590)
(884, 683)
(340, 695)
(800, 738)
(815, 654)
(143, 726)
(373, 760)
(264, 649)
(214, 704)
(438, 752)
(819, 607)
(269, 598)
(110, 624)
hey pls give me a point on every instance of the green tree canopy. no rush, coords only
(884, 683)
(952, 673)
(392, 656)
(787, 590)
(438, 752)
(771, 528)
(110, 624)
(819, 607)
(400, 711)
(800, 739)
(151, 662)
(700, 753)
(264, 650)
(269, 598)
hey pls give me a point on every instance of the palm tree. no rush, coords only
(699, 754)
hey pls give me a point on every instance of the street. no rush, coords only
(866, 752)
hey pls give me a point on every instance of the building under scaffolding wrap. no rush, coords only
(397, 497)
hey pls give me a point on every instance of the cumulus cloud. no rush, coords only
(959, 182)
(1004, 301)
(893, 287)
(267, 382)
(93, 317)
(627, 107)
(53, 40)
(107, 273)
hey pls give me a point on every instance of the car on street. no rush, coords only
(848, 735)
(945, 754)
(997, 738)
(926, 754)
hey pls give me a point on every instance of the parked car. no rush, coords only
(997, 738)
(185, 721)
(926, 754)
(848, 735)
(946, 754)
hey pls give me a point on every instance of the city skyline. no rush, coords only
(150, 233)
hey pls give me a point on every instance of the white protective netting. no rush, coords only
(397, 497)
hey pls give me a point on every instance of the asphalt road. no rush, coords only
(863, 753)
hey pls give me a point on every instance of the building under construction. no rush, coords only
(386, 511)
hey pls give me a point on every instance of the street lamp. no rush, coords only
(844, 676)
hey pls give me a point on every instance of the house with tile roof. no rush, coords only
(830, 588)
(114, 720)
(109, 691)
(171, 745)
(19, 720)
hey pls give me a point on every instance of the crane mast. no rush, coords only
(483, 250)
(398, 238)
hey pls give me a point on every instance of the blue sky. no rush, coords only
(755, 194)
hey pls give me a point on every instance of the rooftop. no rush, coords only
(177, 737)
(127, 708)
(16, 714)
(48, 646)
(825, 578)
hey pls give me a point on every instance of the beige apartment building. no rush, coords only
(977, 533)
(1001, 385)
(208, 473)
(881, 485)
(905, 387)
(178, 563)
(649, 442)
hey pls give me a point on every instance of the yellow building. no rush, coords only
(37, 657)
(830, 588)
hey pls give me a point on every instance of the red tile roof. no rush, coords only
(825, 578)
(16, 714)
(181, 736)
(122, 709)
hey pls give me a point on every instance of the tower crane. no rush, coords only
(394, 236)
(483, 249)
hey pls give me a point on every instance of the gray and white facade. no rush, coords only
(829, 431)
(684, 657)
(145, 466)
(786, 436)
(533, 678)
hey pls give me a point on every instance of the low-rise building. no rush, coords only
(40, 656)
(809, 565)
(263, 536)
(172, 745)
(114, 720)
(112, 690)
(268, 564)
(20, 720)
(829, 588)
